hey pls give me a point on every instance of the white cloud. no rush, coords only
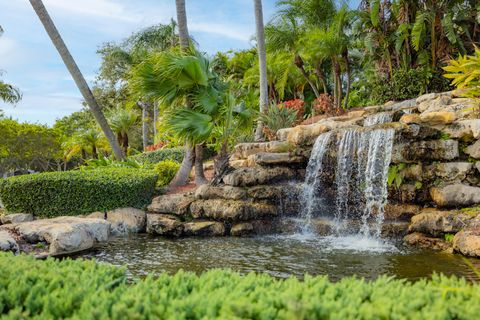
(94, 8)
(236, 32)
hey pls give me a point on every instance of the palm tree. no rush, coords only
(8, 93)
(77, 76)
(262, 58)
(122, 121)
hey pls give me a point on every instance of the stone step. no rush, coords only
(232, 210)
(275, 159)
(244, 150)
(245, 177)
(420, 151)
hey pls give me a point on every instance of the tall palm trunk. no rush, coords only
(144, 107)
(155, 121)
(181, 178)
(262, 59)
(349, 74)
(322, 78)
(77, 76)
(199, 173)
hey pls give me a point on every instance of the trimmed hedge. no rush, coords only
(78, 192)
(77, 289)
(175, 154)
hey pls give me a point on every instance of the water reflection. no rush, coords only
(279, 256)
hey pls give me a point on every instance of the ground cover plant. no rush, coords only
(78, 192)
(80, 289)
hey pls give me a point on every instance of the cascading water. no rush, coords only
(361, 173)
(378, 118)
(310, 199)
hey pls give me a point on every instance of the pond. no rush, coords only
(280, 256)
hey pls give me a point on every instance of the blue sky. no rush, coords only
(32, 64)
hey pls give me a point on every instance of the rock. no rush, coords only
(171, 204)
(204, 228)
(451, 171)
(224, 192)
(275, 192)
(420, 240)
(437, 223)
(255, 227)
(259, 175)
(244, 150)
(413, 131)
(236, 164)
(419, 151)
(231, 210)
(438, 118)
(400, 212)
(464, 129)
(127, 220)
(477, 165)
(274, 159)
(410, 118)
(406, 104)
(356, 114)
(413, 172)
(97, 215)
(467, 242)
(64, 235)
(164, 225)
(306, 134)
(7, 242)
(394, 229)
(455, 195)
(474, 150)
(16, 218)
(433, 101)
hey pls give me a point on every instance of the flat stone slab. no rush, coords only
(274, 159)
(59, 236)
(171, 204)
(435, 150)
(437, 223)
(245, 177)
(231, 210)
(455, 195)
(16, 218)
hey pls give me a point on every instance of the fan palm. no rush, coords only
(122, 121)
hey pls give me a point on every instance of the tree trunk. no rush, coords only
(322, 78)
(144, 107)
(181, 178)
(125, 142)
(347, 69)
(300, 65)
(221, 165)
(155, 121)
(182, 24)
(77, 76)
(262, 59)
(199, 173)
(94, 152)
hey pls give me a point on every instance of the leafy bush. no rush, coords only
(465, 74)
(166, 169)
(111, 163)
(77, 192)
(54, 289)
(174, 154)
(277, 118)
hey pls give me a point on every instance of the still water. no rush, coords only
(280, 256)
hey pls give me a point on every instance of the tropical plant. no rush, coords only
(122, 121)
(278, 118)
(166, 169)
(465, 74)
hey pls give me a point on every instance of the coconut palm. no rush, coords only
(262, 58)
(77, 76)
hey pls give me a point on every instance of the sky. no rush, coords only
(31, 63)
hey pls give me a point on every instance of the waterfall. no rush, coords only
(310, 200)
(377, 118)
(361, 173)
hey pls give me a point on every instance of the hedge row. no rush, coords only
(77, 192)
(174, 154)
(78, 289)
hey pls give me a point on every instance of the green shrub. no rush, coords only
(166, 169)
(174, 154)
(77, 192)
(54, 289)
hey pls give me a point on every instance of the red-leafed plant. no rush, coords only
(324, 104)
(296, 104)
(156, 146)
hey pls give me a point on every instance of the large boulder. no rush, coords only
(16, 218)
(400, 212)
(63, 235)
(244, 177)
(127, 220)
(7, 242)
(274, 159)
(467, 241)
(223, 192)
(455, 195)
(204, 228)
(417, 151)
(437, 223)
(244, 150)
(412, 118)
(474, 150)
(464, 129)
(164, 225)
(438, 118)
(449, 171)
(172, 204)
(434, 102)
(302, 134)
(255, 227)
(231, 210)
(420, 240)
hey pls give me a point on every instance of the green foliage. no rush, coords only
(112, 163)
(396, 175)
(83, 289)
(465, 74)
(77, 192)
(449, 237)
(152, 157)
(28, 146)
(277, 118)
(166, 169)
